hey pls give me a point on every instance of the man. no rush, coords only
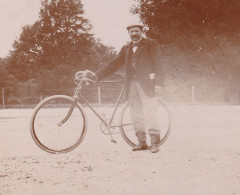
(142, 61)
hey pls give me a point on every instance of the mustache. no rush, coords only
(133, 36)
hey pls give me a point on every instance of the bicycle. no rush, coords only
(59, 122)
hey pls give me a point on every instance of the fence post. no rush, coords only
(3, 97)
(99, 97)
(193, 95)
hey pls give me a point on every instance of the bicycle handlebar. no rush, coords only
(82, 77)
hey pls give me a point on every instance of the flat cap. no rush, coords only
(135, 25)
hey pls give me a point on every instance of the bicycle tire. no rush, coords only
(44, 124)
(126, 126)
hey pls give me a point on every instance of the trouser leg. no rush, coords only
(152, 118)
(152, 115)
(144, 113)
(137, 113)
(137, 117)
(150, 106)
(151, 111)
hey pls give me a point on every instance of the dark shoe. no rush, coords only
(140, 146)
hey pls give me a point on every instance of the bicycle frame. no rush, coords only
(78, 95)
(95, 112)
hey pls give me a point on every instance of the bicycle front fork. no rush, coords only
(68, 114)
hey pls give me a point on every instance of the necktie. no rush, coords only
(135, 46)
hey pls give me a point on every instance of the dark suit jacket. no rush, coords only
(148, 61)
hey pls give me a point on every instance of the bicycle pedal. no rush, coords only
(114, 141)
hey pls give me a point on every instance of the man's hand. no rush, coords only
(91, 76)
(87, 75)
(158, 90)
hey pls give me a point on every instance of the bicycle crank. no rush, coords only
(107, 130)
(110, 132)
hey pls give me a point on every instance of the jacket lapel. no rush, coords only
(127, 55)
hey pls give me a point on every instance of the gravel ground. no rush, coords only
(201, 156)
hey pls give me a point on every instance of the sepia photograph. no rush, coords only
(120, 97)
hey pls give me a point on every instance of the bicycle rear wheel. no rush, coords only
(128, 132)
(55, 128)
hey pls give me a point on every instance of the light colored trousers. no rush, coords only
(143, 110)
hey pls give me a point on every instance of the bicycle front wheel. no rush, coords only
(127, 130)
(58, 124)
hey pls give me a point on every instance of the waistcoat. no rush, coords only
(133, 63)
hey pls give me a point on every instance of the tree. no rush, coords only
(25, 58)
(56, 46)
(196, 36)
(7, 80)
(171, 21)
(64, 33)
(61, 36)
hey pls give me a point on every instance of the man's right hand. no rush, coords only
(91, 76)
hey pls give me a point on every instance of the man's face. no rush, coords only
(135, 33)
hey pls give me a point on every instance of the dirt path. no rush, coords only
(202, 156)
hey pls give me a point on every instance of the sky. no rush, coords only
(108, 18)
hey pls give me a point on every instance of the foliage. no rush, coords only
(196, 37)
(56, 46)
(171, 21)
(7, 80)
